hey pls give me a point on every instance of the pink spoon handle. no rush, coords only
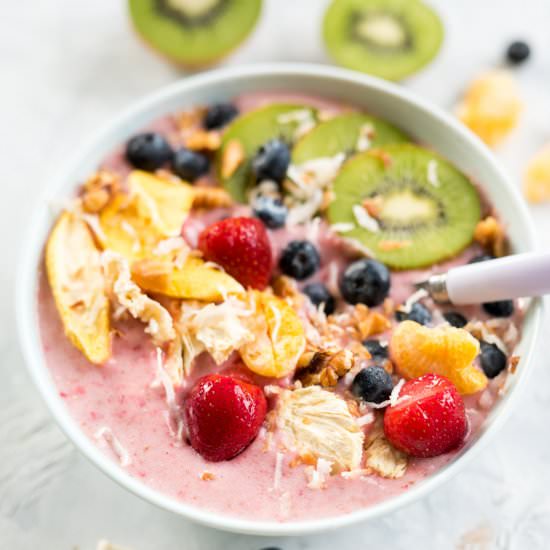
(501, 279)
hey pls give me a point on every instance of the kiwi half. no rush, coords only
(194, 33)
(387, 38)
(424, 209)
(341, 135)
(252, 130)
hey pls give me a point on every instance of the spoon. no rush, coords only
(515, 276)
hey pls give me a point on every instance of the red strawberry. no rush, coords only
(241, 246)
(223, 416)
(429, 418)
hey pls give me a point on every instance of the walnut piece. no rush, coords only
(490, 234)
(233, 156)
(211, 197)
(324, 368)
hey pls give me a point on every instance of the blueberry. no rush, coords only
(481, 258)
(148, 151)
(318, 294)
(365, 282)
(376, 349)
(372, 384)
(189, 165)
(502, 308)
(517, 52)
(271, 161)
(219, 115)
(492, 359)
(299, 259)
(419, 313)
(271, 211)
(455, 319)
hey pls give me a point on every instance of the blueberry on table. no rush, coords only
(419, 313)
(271, 161)
(190, 165)
(319, 294)
(455, 319)
(492, 359)
(518, 52)
(365, 282)
(148, 151)
(271, 211)
(372, 384)
(376, 349)
(219, 115)
(299, 259)
(502, 308)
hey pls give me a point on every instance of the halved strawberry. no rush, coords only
(223, 416)
(429, 418)
(241, 246)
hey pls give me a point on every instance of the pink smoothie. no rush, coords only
(121, 396)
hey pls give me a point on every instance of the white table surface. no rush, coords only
(68, 66)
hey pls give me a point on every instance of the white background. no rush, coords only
(68, 67)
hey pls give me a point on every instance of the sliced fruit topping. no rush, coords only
(194, 33)
(270, 210)
(418, 313)
(317, 423)
(365, 282)
(429, 418)
(148, 151)
(491, 106)
(248, 133)
(223, 416)
(77, 283)
(299, 259)
(241, 246)
(348, 133)
(382, 458)
(219, 115)
(271, 161)
(319, 295)
(372, 384)
(155, 208)
(190, 165)
(279, 338)
(416, 350)
(387, 38)
(536, 184)
(493, 359)
(408, 206)
(193, 280)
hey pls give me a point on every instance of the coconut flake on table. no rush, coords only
(364, 219)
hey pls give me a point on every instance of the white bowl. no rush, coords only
(426, 123)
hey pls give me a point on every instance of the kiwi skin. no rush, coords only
(424, 32)
(134, 11)
(449, 214)
(340, 134)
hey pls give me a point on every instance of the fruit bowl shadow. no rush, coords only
(424, 122)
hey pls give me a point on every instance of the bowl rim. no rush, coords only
(26, 315)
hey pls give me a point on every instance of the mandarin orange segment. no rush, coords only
(279, 337)
(417, 350)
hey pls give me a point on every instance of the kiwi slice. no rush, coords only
(422, 210)
(346, 133)
(251, 131)
(194, 33)
(387, 38)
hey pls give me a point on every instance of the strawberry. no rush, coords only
(241, 246)
(429, 418)
(223, 416)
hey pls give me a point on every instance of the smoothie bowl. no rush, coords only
(222, 313)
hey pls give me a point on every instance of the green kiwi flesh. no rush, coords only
(427, 209)
(341, 134)
(194, 32)
(387, 38)
(252, 130)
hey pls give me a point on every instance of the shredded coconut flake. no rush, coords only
(433, 178)
(366, 419)
(92, 220)
(279, 462)
(364, 139)
(106, 434)
(312, 233)
(303, 117)
(364, 219)
(317, 476)
(344, 227)
(420, 294)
